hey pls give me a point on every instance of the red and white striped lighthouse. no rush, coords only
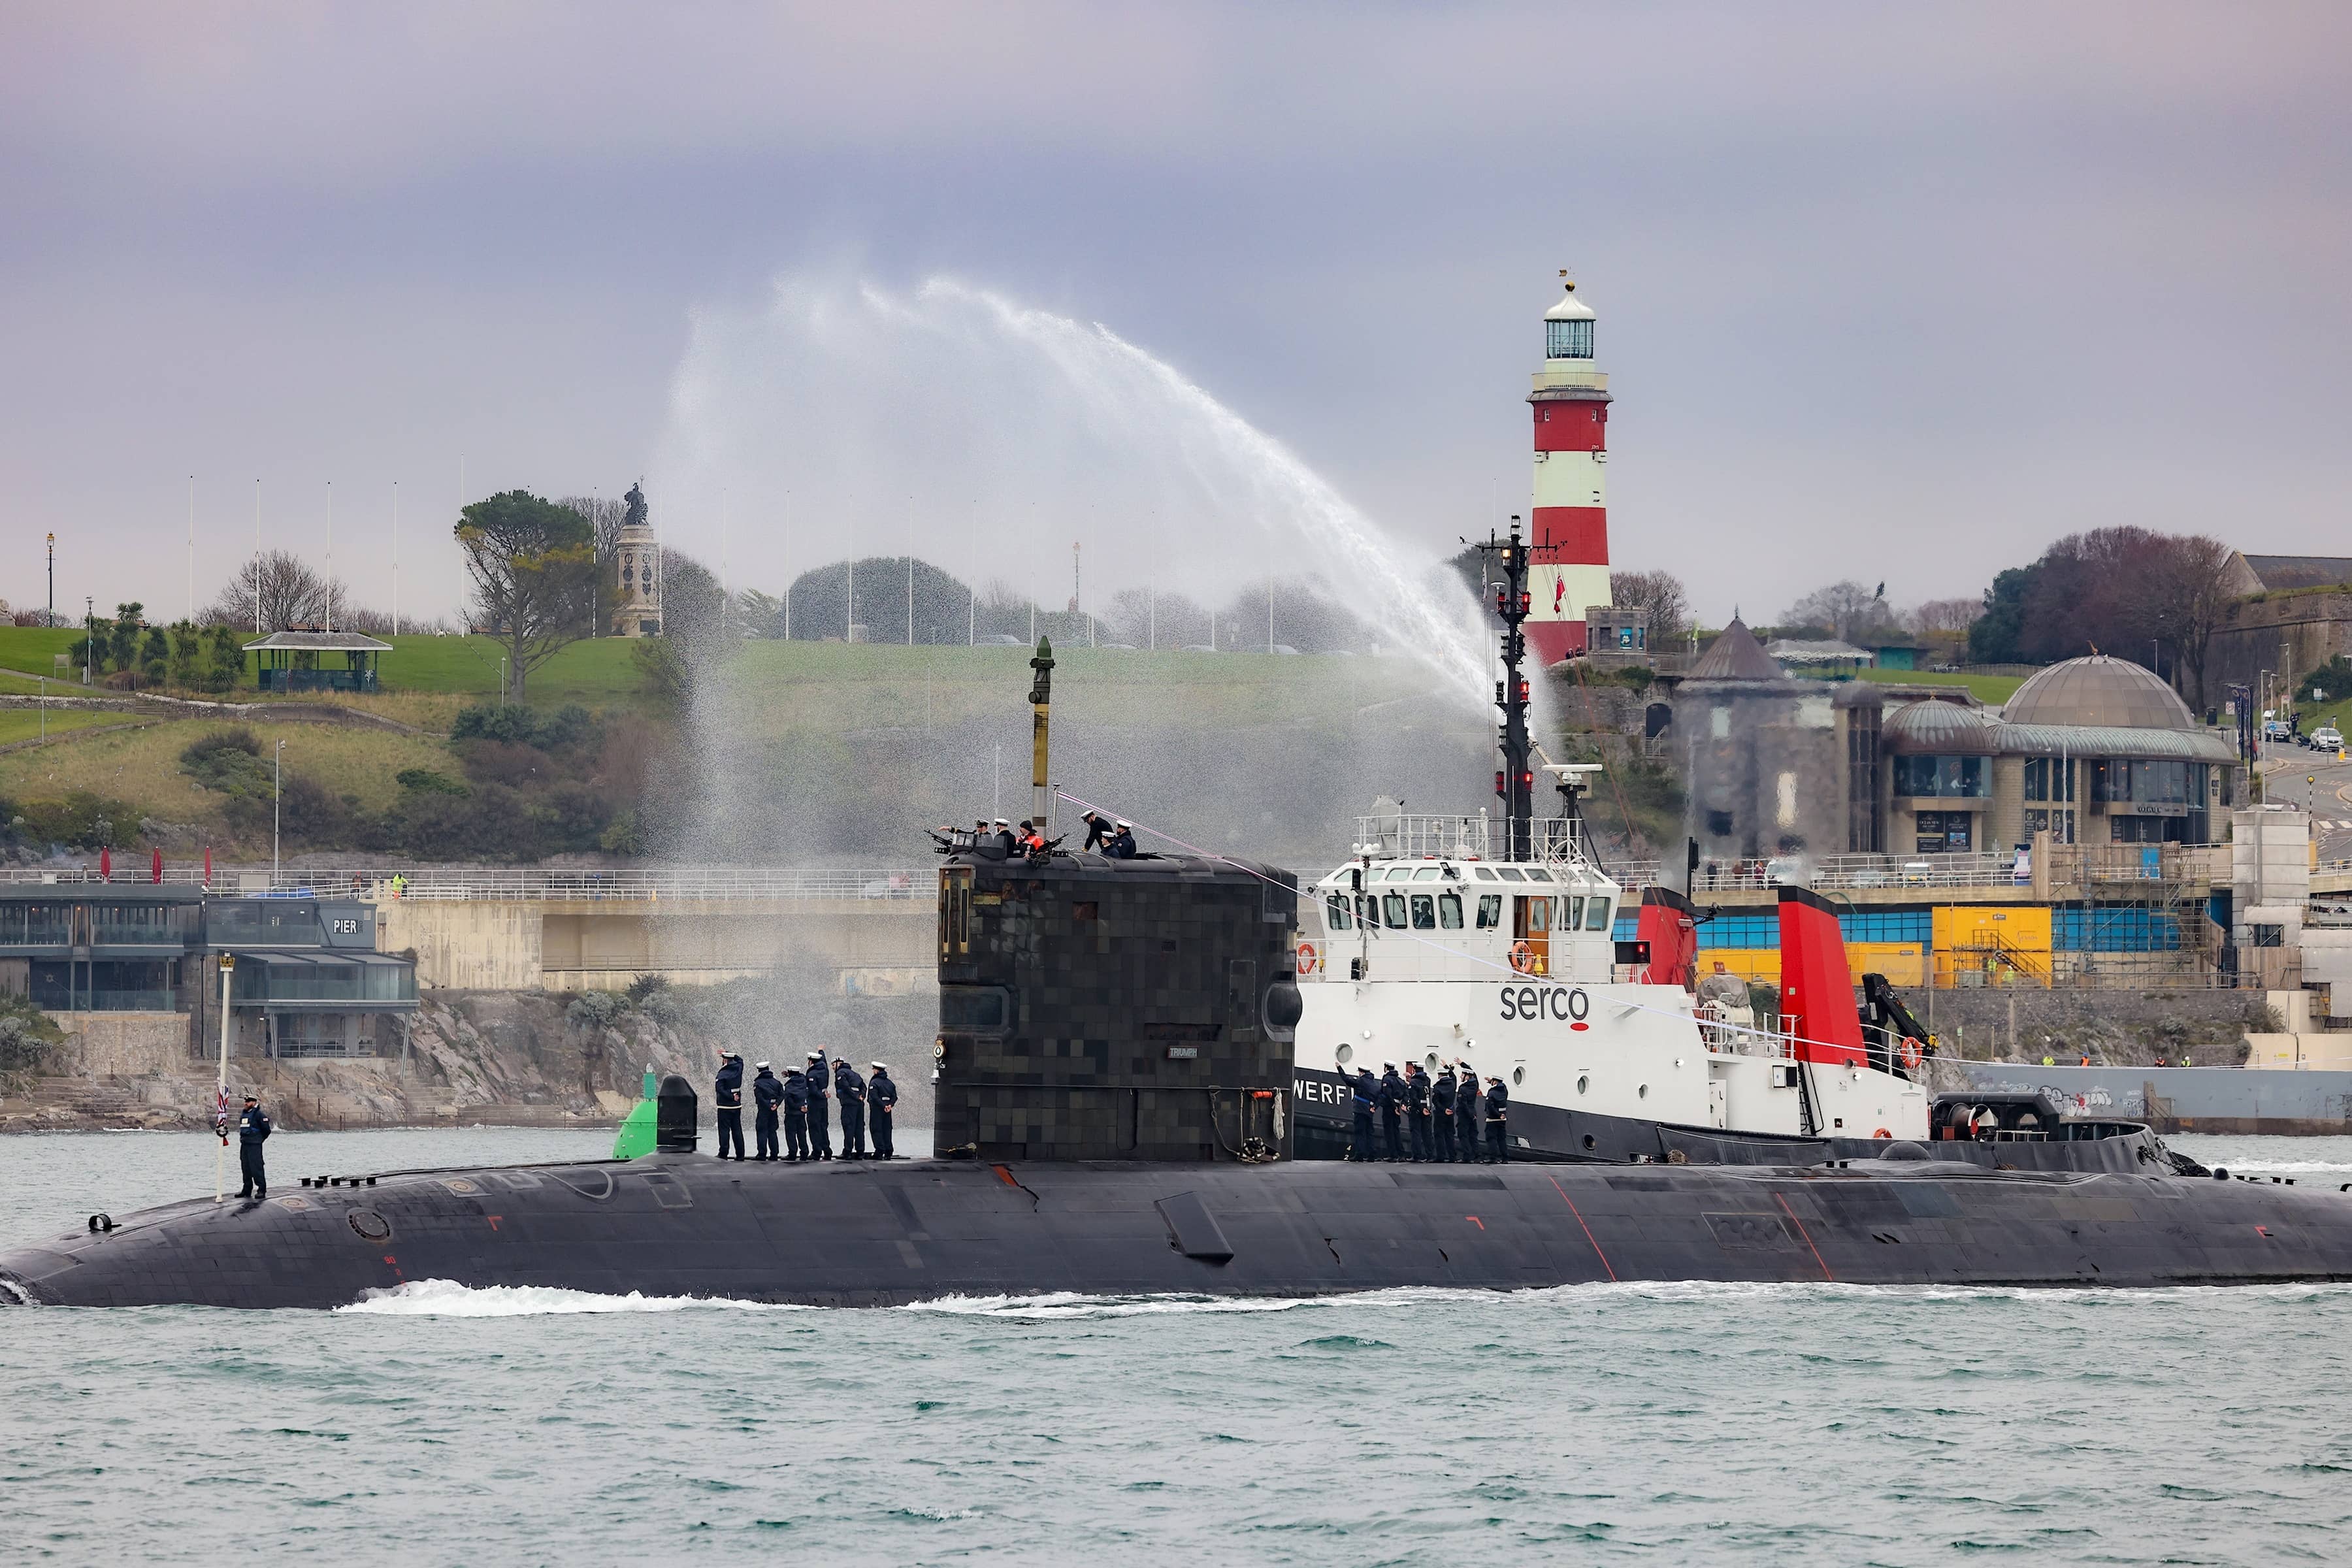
(1571, 515)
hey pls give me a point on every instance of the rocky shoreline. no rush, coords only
(473, 1058)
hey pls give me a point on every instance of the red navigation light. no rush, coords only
(1527, 780)
(1522, 691)
(1498, 783)
(1525, 601)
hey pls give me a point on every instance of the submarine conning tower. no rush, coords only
(1101, 1009)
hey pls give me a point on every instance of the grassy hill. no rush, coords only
(804, 751)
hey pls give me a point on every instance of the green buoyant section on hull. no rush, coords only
(636, 1134)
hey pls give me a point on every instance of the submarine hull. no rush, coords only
(845, 1235)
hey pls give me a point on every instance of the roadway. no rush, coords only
(2321, 785)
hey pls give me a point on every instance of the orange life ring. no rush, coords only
(1307, 959)
(1910, 1052)
(1882, 1133)
(1523, 958)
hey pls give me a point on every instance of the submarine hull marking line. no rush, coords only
(1804, 1234)
(1101, 1228)
(1582, 1226)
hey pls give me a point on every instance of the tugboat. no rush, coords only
(1463, 942)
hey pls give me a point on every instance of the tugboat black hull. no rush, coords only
(1555, 1135)
(844, 1234)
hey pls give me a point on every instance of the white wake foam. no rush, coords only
(448, 1299)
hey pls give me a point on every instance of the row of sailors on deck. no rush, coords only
(1439, 1115)
(799, 1100)
(1115, 843)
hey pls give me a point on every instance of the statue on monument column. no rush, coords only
(636, 499)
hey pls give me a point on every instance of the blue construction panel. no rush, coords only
(2113, 928)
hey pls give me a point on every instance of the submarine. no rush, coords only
(1120, 1112)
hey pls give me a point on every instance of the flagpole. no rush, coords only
(220, 1102)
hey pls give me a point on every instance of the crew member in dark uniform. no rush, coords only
(796, 1101)
(1416, 1100)
(1498, 1113)
(1465, 1114)
(1098, 830)
(850, 1090)
(1005, 841)
(729, 1097)
(1364, 1092)
(1391, 1099)
(1440, 1105)
(253, 1130)
(1122, 843)
(881, 1100)
(820, 1090)
(767, 1093)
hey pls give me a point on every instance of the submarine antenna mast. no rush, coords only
(220, 1102)
(1515, 782)
(1041, 702)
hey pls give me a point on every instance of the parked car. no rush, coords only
(2328, 738)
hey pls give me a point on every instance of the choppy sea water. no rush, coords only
(1813, 1424)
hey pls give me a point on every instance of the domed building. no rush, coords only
(2093, 751)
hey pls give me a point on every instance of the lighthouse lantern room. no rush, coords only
(1570, 560)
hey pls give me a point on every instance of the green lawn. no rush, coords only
(598, 672)
(28, 686)
(1990, 690)
(24, 723)
(813, 685)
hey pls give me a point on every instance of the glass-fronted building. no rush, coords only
(2092, 750)
(307, 979)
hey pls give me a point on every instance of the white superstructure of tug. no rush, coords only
(1422, 948)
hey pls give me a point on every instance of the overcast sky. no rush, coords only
(1885, 292)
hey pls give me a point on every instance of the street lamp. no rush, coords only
(89, 630)
(277, 766)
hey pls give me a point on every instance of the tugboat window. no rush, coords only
(1424, 912)
(1490, 911)
(1574, 906)
(1510, 873)
(1368, 909)
(1336, 911)
(1596, 914)
(1426, 873)
(1393, 911)
(1449, 910)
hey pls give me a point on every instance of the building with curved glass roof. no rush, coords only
(2095, 750)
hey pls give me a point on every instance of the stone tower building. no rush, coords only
(637, 613)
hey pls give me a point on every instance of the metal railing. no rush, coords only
(1480, 837)
(2070, 863)
(491, 882)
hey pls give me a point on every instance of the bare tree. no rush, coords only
(2187, 588)
(1660, 593)
(1944, 617)
(291, 595)
(1846, 610)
